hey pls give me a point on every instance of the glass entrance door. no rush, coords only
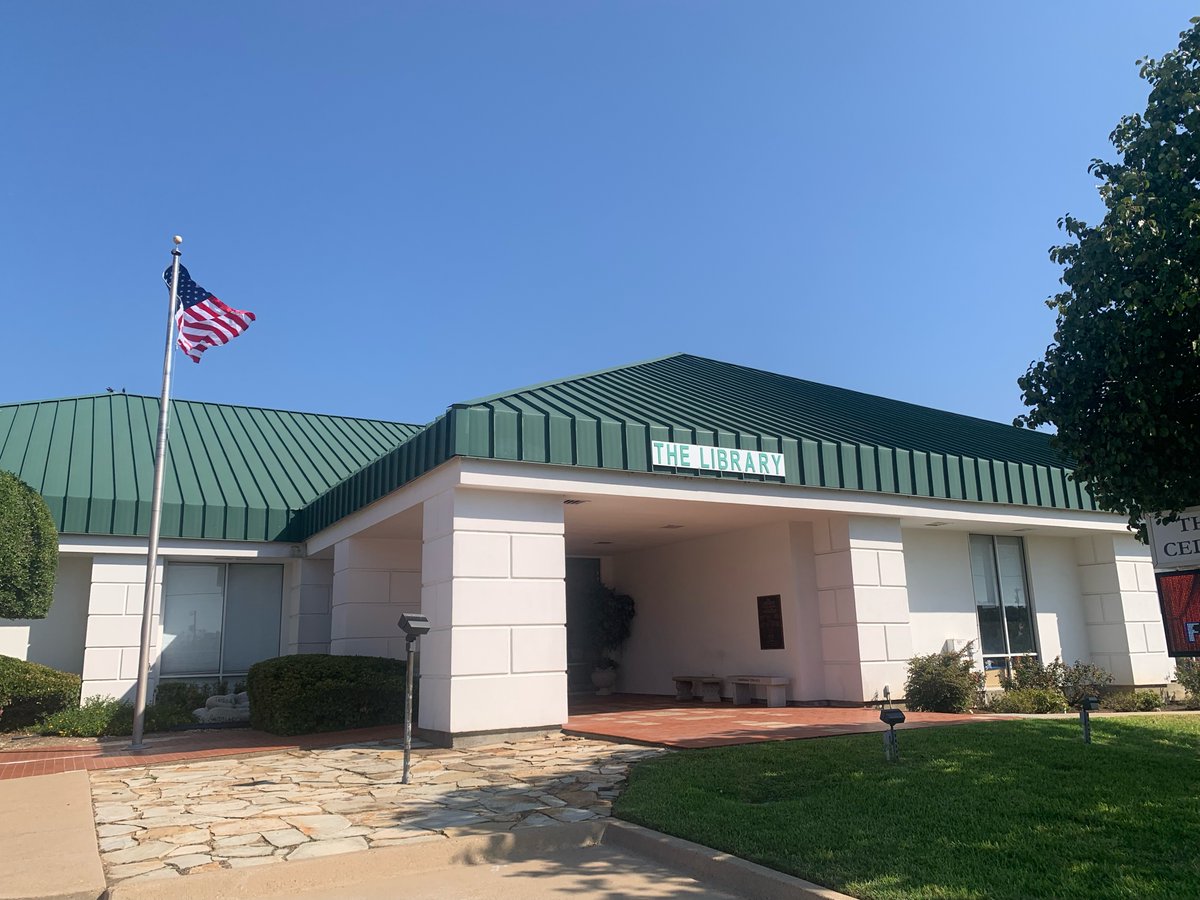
(583, 575)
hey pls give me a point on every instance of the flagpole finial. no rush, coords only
(178, 240)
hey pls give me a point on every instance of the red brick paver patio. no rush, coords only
(174, 747)
(646, 719)
(652, 719)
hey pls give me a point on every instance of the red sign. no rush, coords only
(1179, 596)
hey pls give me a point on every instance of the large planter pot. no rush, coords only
(603, 680)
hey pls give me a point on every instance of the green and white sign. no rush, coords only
(717, 459)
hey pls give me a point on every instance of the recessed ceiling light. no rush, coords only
(672, 526)
(935, 524)
(573, 502)
(598, 543)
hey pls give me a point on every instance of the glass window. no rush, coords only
(219, 619)
(1001, 601)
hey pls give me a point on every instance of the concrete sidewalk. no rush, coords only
(50, 852)
(592, 859)
(48, 836)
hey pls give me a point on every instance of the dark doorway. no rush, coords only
(583, 575)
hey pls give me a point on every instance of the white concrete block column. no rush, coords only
(493, 586)
(310, 592)
(114, 626)
(375, 580)
(1120, 603)
(862, 594)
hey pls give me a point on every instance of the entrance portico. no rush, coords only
(494, 537)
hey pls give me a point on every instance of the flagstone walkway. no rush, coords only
(165, 821)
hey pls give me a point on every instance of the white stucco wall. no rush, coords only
(375, 581)
(943, 602)
(1057, 602)
(493, 570)
(57, 640)
(1120, 602)
(697, 610)
(114, 626)
(940, 599)
(306, 608)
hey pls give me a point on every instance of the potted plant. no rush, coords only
(610, 622)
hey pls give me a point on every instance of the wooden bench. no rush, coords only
(774, 686)
(688, 687)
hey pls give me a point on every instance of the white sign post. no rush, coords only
(1177, 545)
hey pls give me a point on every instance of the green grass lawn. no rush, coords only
(991, 810)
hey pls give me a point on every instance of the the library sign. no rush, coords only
(1175, 545)
(717, 459)
(1179, 596)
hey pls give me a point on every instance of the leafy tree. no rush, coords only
(1120, 382)
(28, 551)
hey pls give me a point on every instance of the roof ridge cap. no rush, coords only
(479, 401)
(276, 409)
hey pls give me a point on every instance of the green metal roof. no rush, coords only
(830, 437)
(233, 472)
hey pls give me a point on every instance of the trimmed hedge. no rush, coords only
(319, 692)
(33, 691)
(28, 551)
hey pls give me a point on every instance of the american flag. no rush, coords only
(203, 320)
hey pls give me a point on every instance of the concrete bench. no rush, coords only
(775, 687)
(687, 687)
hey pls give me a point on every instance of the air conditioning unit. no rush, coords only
(955, 645)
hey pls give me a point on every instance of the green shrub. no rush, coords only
(28, 551)
(1029, 700)
(94, 717)
(1187, 673)
(183, 695)
(33, 691)
(109, 717)
(941, 682)
(1028, 672)
(319, 692)
(1133, 701)
(1081, 680)
(1075, 681)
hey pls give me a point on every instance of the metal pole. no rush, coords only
(408, 694)
(160, 454)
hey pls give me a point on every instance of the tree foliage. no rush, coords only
(28, 551)
(1119, 383)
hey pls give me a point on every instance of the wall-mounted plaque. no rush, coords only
(770, 622)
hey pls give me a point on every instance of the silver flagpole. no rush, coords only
(160, 456)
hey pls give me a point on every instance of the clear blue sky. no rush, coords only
(426, 202)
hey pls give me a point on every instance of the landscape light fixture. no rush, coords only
(891, 717)
(413, 625)
(1087, 705)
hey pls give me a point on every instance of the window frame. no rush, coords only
(1027, 584)
(220, 674)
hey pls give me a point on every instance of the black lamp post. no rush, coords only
(413, 625)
